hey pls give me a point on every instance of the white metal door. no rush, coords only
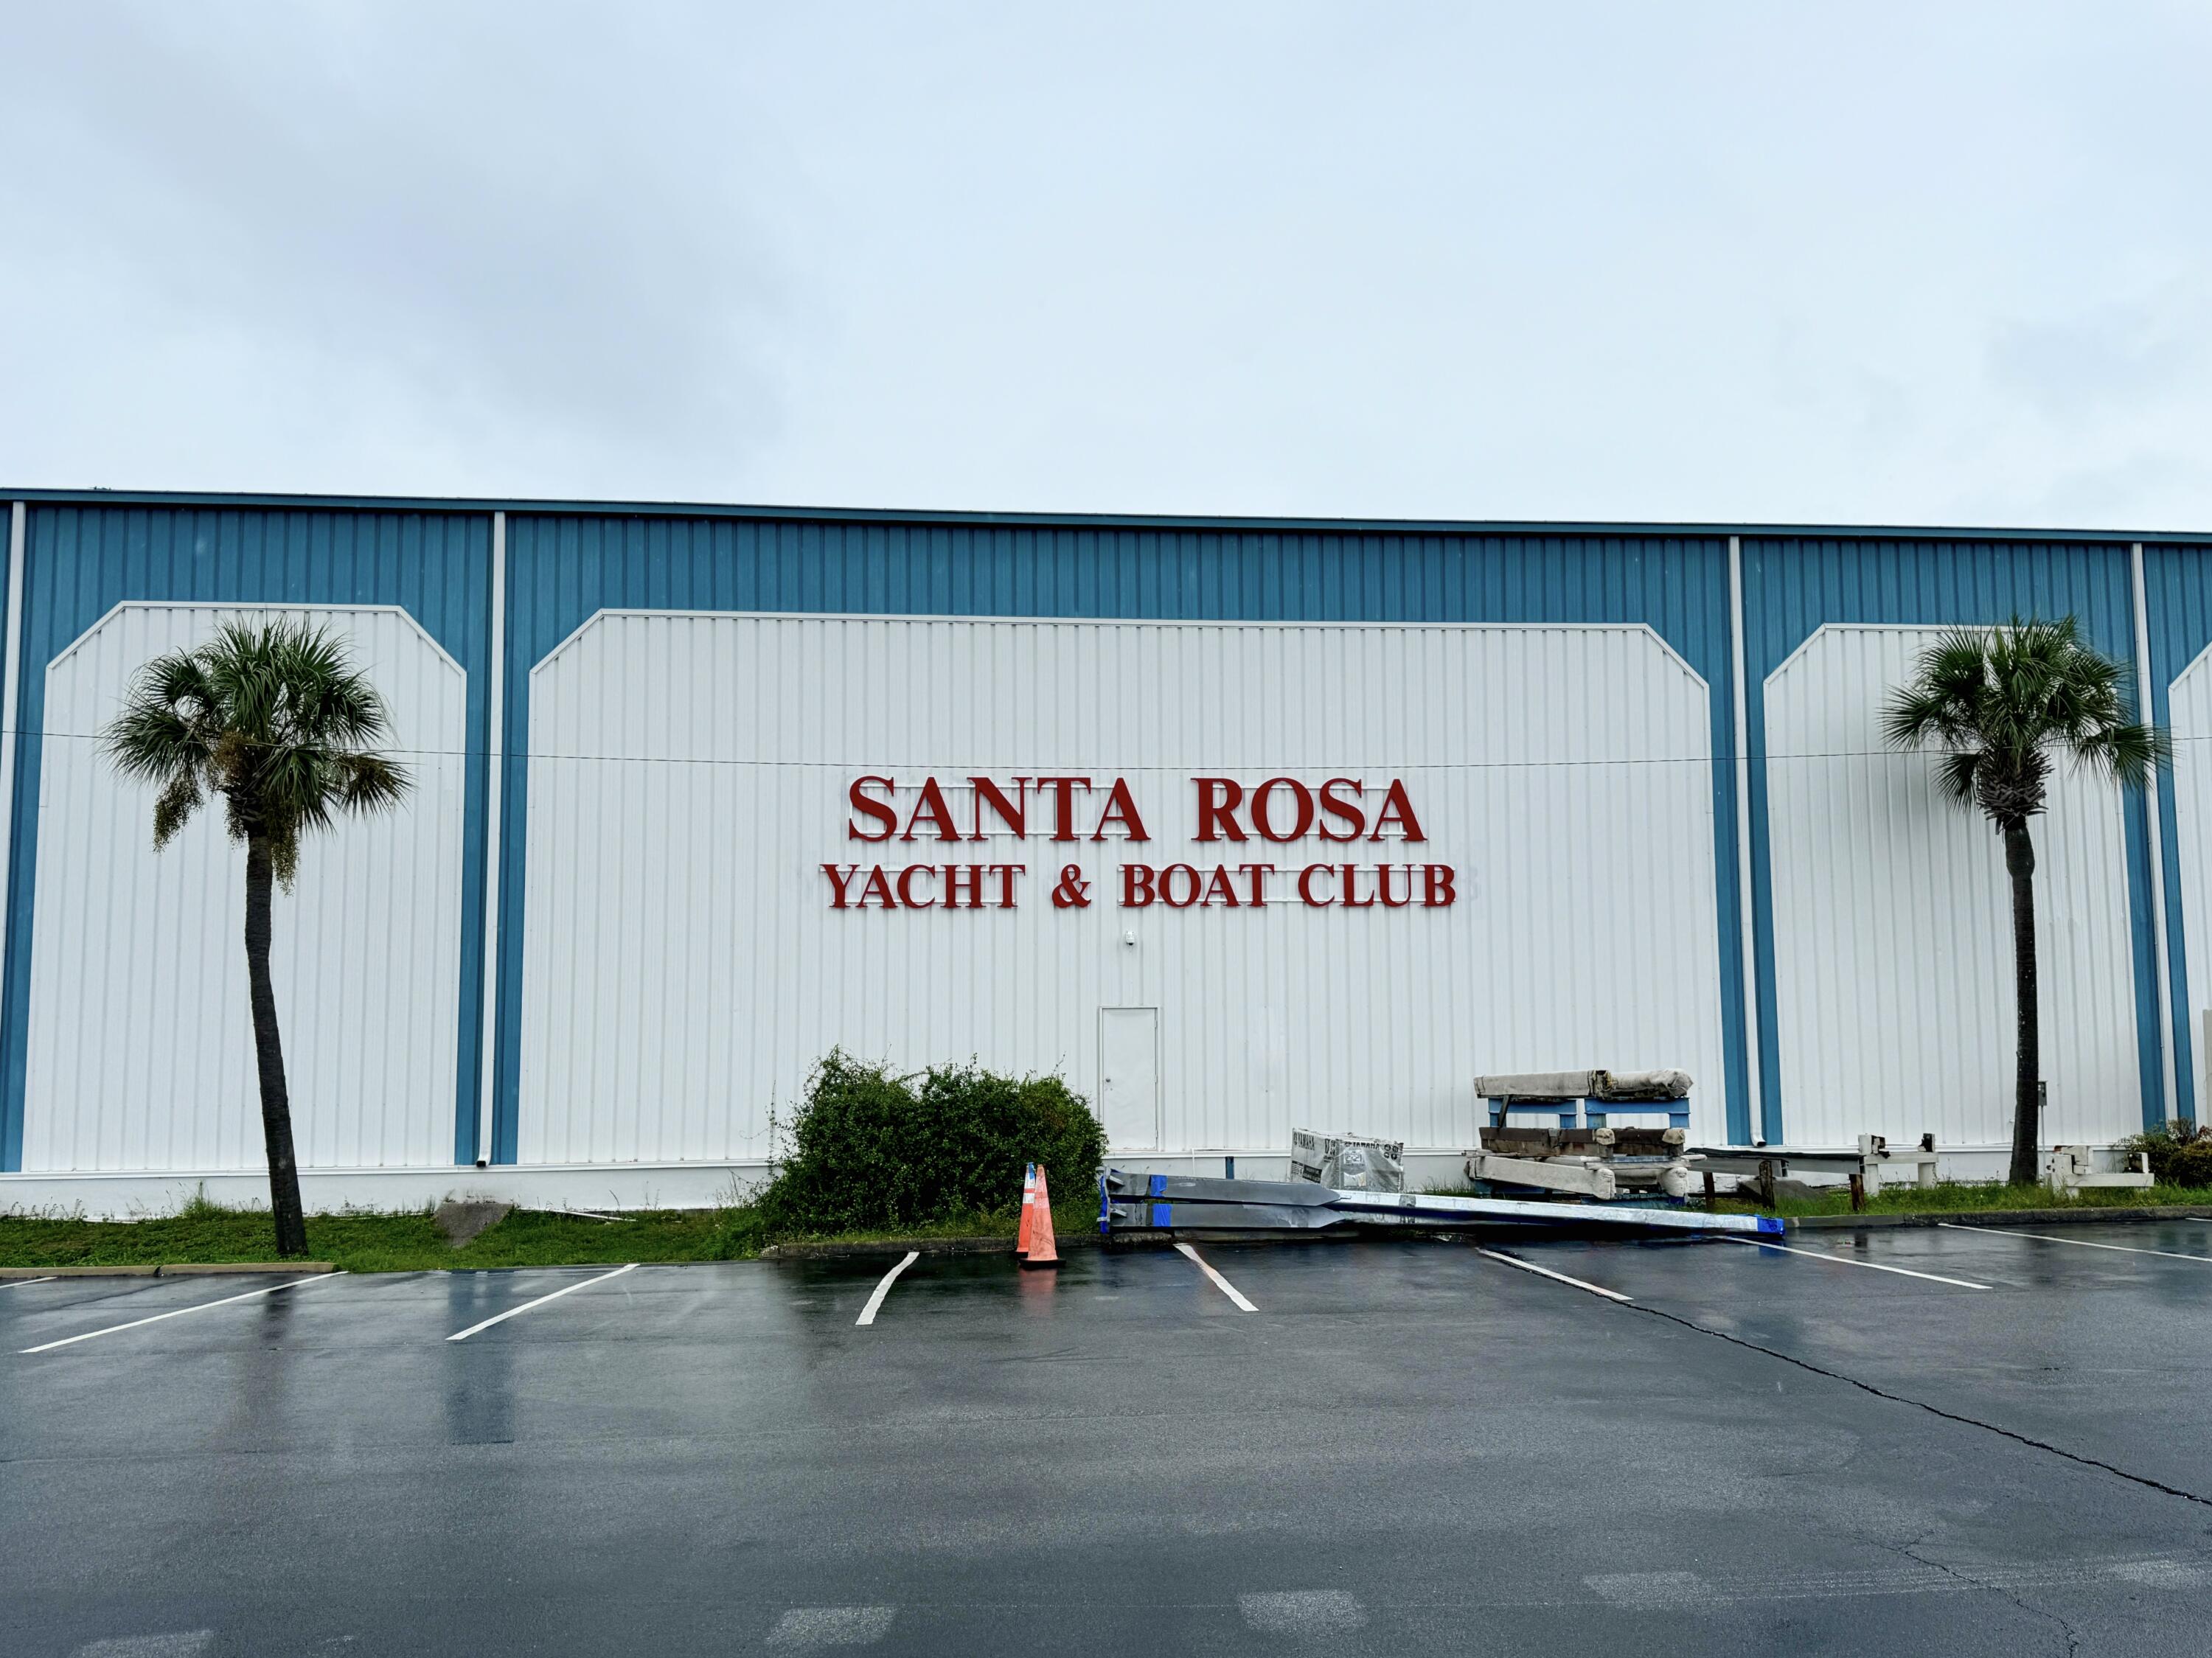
(1129, 1077)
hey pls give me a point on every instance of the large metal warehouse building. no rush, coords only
(1277, 823)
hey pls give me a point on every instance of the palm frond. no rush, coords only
(372, 783)
(157, 735)
(2127, 754)
(1957, 775)
(1945, 700)
(2003, 700)
(272, 717)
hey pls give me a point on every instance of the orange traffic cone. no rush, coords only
(1042, 1251)
(1028, 1193)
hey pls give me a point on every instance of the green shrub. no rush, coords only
(869, 1150)
(2180, 1153)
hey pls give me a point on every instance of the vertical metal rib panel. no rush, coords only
(1893, 922)
(83, 560)
(141, 1053)
(689, 775)
(1793, 587)
(566, 568)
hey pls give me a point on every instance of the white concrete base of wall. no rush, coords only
(606, 1187)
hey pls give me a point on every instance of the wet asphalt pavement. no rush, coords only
(1409, 1447)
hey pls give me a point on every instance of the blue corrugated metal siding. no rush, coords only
(1792, 586)
(563, 568)
(2177, 602)
(80, 562)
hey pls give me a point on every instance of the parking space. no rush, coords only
(2085, 1349)
(1399, 1441)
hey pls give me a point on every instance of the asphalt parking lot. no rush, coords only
(1998, 1445)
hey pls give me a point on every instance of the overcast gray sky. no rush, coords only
(1922, 263)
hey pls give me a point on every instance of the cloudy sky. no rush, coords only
(1860, 262)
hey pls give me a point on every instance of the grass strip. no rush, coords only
(364, 1243)
(1950, 1197)
(205, 1232)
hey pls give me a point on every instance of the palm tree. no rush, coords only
(2003, 701)
(273, 718)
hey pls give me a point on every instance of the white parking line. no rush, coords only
(178, 1312)
(884, 1288)
(1872, 1266)
(20, 1283)
(501, 1318)
(185, 1643)
(808, 1627)
(1219, 1282)
(1556, 1277)
(2041, 1238)
(1303, 1612)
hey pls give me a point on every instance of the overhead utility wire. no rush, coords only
(942, 765)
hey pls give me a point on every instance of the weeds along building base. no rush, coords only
(1239, 826)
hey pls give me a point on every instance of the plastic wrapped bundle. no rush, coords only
(1347, 1163)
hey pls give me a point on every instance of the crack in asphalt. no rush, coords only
(1919, 1404)
(1912, 1551)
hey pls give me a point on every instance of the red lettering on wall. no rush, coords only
(878, 809)
(1217, 800)
(1167, 886)
(878, 887)
(1121, 809)
(932, 806)
(1438, 882)
(1063, 803)
(1383, 874)
(1350, 899)
(1005, 873)
(1136, 886)
(1259, 873)
(907, 900)
(838, 878)
(1263, 818)
(963, 877)
(1014, 813)
(1349, 811)
(1397, 809)
(1218, 890)
(1305, 885)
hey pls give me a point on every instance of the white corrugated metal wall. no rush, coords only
(141, 1053)
(1894, 965)
(688, 777)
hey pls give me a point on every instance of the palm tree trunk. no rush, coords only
(269, 1055)
(2020, 864)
